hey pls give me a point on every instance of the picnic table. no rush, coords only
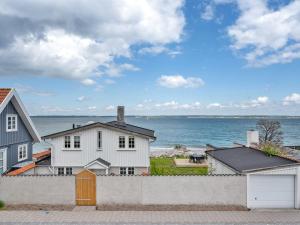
(196, 158)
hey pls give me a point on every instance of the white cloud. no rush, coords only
(92, 108)
(264, 36)
(109, 107)
(214, 105)
(54, 109)
(88, 82)
(159, 49)
(33, 91)
(155, 50)
(208, 12)
(292, 99)
(177, 81)
(259, 101)
(82, 44)
(81, 98)
(175, 105)
(262, 100)
(115, 70)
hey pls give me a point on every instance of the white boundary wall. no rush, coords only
(147, 190)
(172, 190)
(54, 190)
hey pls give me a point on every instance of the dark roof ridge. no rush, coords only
(131, 125)
(94, 124)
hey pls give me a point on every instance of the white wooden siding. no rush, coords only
(137, 157)
(277, 171)
(216, 167)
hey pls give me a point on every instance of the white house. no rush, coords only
(272, 181)
(105, 148)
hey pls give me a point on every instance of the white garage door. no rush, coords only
(271, 191)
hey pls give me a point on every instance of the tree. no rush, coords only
(269, 132)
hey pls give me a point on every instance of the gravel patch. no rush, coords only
(40, 207)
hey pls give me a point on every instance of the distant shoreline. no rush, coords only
(180, 116)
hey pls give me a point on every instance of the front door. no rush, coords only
(3, 165)
(86, 188)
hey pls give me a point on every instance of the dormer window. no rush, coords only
(11, 122)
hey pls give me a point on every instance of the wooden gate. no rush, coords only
(86, 188)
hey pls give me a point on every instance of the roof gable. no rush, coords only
(13, 97)
(244, 159)
(98, 164)
(149, 134)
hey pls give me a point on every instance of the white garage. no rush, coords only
(271, 191)
(272, 181)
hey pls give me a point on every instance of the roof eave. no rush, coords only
(271, 167)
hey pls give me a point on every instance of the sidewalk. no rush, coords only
(138, 217)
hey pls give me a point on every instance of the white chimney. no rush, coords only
(252, 138)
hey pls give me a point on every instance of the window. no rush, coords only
(76, 141)
(61, 171)
(122, 170)
(130, 170)
(99, 138)
(126, 170)
(121, 142)
(67, 142)
(131, 142)
(69, 170)
(11, 122)
(22, 152)
(2, 162)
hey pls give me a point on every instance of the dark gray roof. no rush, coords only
(110, 125)
(44, 162)
(244, 159)
(132, 128)
(102, 161)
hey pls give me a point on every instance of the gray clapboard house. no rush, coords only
(17, 132)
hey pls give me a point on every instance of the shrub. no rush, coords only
(2, 204)
(271, 150)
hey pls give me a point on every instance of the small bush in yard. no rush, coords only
(2, 204)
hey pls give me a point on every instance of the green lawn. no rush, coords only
(166, 166)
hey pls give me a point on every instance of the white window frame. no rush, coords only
(59, 169)
(77, 147)
(122, 147)
(4, 166)
(16, 122)
(130, 146)
(126, 169)
(69, 141)
(123, 168)
(23, 149)
(70, 169)
(131, 168)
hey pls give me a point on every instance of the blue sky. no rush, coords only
(218, 57)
